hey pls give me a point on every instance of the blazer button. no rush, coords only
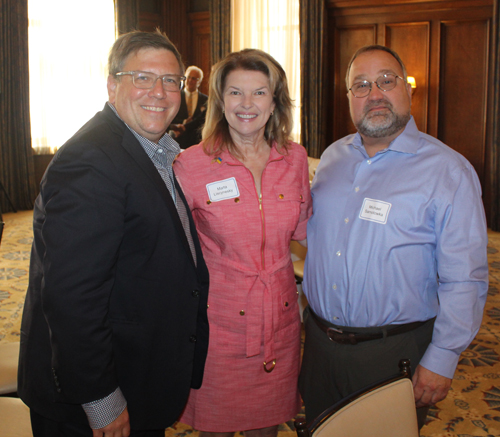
(192, 339)
(242, 313)
(195, 293)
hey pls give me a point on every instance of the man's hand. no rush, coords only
(120, 427)
(429, 387)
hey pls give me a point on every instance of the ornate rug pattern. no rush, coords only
(472, 407)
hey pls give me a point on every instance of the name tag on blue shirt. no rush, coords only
(375, 211)
(222, 190)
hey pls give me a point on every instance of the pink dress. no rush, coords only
(253, 308)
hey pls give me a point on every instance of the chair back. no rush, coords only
(384, 409)
(14, 418)
(9, 357)
(388, 411)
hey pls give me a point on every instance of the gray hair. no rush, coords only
(372, 48)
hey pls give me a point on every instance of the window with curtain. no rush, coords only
(68, 50)
(272, 26)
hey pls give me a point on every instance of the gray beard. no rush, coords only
(380, 126)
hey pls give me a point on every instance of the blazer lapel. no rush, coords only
(133, 147)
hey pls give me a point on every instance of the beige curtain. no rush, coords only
(272, 26)
(312, 66)
(67, 66)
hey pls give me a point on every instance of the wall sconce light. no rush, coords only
(412, 82)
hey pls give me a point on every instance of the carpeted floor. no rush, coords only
(472, 407)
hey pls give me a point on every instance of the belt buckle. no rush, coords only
(330, 332)
(351, 339)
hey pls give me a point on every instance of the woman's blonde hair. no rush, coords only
(216, 136)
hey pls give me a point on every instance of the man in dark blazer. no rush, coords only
(188, 123)
(115, 331)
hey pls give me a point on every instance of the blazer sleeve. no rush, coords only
(82, 230)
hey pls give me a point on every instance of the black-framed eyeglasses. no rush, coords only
(386, 82)
(145, 80)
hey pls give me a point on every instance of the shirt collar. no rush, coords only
(188, 93)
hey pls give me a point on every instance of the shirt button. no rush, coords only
(338, 253)
(335, 318)
(346, 219)
(286, 304)
(192, 339)
(369, 161)
(242, 313)
(356, 189)
(195, 293)
(209, 202)
(281, 196)
(160, 151)
(334, 286)
(237, 200)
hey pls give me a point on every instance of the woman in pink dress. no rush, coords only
(247, 185)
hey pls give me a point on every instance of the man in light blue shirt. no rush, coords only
(396, 261)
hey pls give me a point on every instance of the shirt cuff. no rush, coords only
(441, 361)
(104, 411)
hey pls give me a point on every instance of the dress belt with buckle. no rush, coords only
(345, 337)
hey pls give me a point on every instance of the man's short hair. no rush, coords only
(372, 48)
(130, 43)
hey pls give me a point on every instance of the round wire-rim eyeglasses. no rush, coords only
(386, 82)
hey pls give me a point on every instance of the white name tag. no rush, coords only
(375, 211)
(222, 190)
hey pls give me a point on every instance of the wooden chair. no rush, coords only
(298, 258)
(313, 165)
(298, 253)
(9, 357)
(383, 409)
(14, 418)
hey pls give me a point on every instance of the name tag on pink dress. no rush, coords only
(223, 190)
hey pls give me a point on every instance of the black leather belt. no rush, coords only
(345, 337)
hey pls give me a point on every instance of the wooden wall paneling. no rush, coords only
(170, 17)
(463, 89)
(433, 84)
(200, 35)
(411, 43)
(176, 25)
(348, 40)
(149, 14)
(369, 8)
(426, 11)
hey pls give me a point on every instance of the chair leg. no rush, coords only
(301, 427)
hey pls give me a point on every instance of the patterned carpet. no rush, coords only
(472, 407)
